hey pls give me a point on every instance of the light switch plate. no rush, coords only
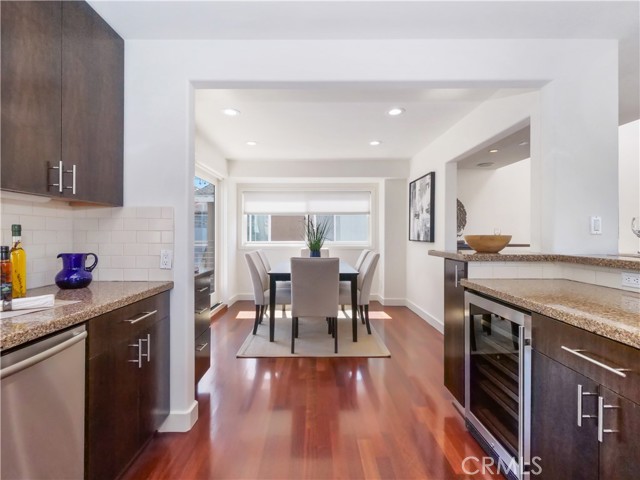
(596, 225)
(166, 259)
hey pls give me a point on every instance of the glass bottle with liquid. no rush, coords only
(18, 263)
(5, 278)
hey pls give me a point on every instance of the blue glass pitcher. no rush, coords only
(74, 273)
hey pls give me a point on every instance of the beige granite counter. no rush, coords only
(94, 300)
(609, 261)
(609, 312)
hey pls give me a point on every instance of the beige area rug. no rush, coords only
(313, 339)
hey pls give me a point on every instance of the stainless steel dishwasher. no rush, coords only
(43, 408)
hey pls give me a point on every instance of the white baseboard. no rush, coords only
(430, 319)
(239, 297)
(390, 302)
(181, 420)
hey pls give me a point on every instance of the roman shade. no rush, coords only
(306, 203)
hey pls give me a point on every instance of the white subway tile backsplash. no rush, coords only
(88, 224)
(136, 224)
(123, 261)
(158, 275)
(167, 236)
(530, 271)
(110, 224)
(111, 275)
(120, 236)
(149, 212)
(148, 237)
(112, 249)
(161, 224)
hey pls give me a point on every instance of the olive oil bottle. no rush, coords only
(18, 263)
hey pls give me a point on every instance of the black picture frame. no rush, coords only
(422, 208)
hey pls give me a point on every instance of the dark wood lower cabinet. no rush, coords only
(568, 389)
(565, 449)
(620, 448)
(454, 271)
(127, 384)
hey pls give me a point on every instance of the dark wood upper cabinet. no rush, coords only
(31, 94)
(92, 103)
(62, 102)
(454, 376)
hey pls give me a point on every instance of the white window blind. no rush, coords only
(306, 203)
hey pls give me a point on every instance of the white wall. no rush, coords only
(629, 186)
(497, 198)
(577, 131)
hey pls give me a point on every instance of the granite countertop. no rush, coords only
(609, 312)
(611, 261)
(94, 300)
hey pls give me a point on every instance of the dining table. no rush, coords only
(281, 272)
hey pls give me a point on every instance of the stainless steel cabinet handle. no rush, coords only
(60, 171)
(139, 347)
(203, 289)
(144, 354)
(141, 317)
(601, 429)
(457, 276)
(148, 347)
(202, 310)
(577, 353)
(581, 394)
(73, 180)
(200, 348)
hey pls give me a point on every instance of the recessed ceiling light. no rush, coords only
(523, 144)
(251, 143)
(485, 164)
(394, 112)
(232, 112)
(375, 143)
(493, 150)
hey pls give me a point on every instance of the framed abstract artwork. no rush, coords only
(422, 208)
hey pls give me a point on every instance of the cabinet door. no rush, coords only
(564, 449)
(154, 379)
(454, 328)
(620, 448)
(112, 425)
(31, 64)
(92, 105)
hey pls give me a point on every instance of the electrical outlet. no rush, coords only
(166, 257)
(596, 226)
(630, 279)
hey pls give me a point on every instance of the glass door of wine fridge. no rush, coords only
(498, 372)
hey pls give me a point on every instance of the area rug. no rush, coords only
(313, 339)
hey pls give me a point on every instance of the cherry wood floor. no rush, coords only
(343, 418)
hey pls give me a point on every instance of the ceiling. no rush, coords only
(510, 149)
(339, 123)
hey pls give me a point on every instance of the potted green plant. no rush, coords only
(315, 234)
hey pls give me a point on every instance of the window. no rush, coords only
(278, 216)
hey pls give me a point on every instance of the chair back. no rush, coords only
(257, 282)
(369, 269)
(265, 260)
(361, 258)
(314, 287)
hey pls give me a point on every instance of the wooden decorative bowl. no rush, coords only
(487, 243)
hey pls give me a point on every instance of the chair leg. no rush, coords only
(366, 316)
(335, 329)
(297, 326)
(262, 310)
(293, 334)
(257, 319)
(361, 308)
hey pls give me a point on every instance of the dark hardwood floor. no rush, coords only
(344, 418)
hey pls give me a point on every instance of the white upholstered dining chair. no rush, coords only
(314, 293)
(260, 283)
(365, 279)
